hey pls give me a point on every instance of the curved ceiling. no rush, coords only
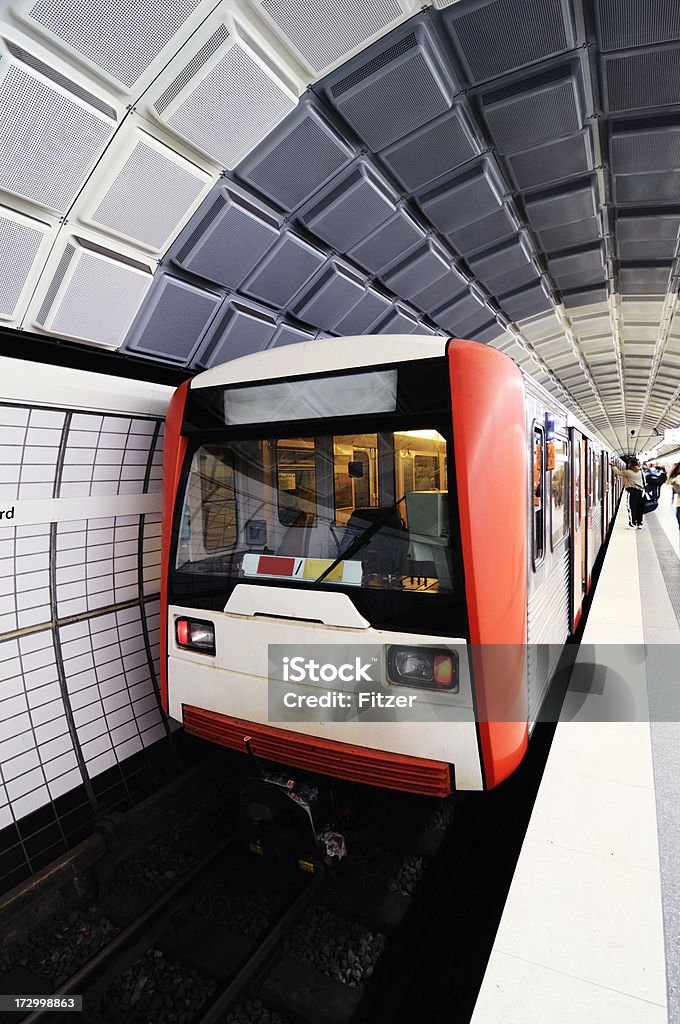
(185, 182)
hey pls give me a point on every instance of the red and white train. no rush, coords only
(414, 494)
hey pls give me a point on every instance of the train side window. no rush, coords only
(577, 487)
(538, 485)
(426, 473)
(559, 489)
(596, 478)
(354, 473)
(296, 479)
(589, 480)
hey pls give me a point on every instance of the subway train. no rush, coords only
(418, 499)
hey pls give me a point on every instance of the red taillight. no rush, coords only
(195, 635)
(443, 670)
(423, 667)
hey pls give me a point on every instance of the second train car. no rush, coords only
(415, 494)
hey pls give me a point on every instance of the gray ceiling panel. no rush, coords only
(535, 110)
(489, 332)
(371, 307)
(641, 227)
(622, 24)
(564, 235)
(401, 320)
(562, 158)
(443, 290)
(500, 260)
(549, 210)
(466, 198)
(465, 328)
(494, 36)
(589, 260)
(405, 83)
(652, 237)
(230, 238)
(584, 297)
(424, 328)
(659, 187)
(285, 270)
(643, 146)
(463, 308)
(526, 302)
(395, 237)
(329, 296)
(481, 233)
(434, 150)
(354, 203)
(513, 280)
(422, 268)
(240, 328)
(289, 334)
(579, 279)
(642, 80)
(644, 279)
(173, 319)
(298, 158)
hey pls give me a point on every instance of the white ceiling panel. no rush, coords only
(54, 126)
(324, 33)
(24, 245)
(124, 43)
(147, 188)
(78, 268)
(226, 90)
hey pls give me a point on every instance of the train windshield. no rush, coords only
(340, 481)
(366, 509)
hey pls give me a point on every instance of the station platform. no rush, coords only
(590, 931)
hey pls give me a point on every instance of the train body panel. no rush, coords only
(410, 496)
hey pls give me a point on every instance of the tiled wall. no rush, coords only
(81, 730)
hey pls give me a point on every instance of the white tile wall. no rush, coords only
(106, 673)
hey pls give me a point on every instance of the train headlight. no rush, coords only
(423, 667)
(195, 635)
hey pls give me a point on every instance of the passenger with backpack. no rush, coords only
(635, 489)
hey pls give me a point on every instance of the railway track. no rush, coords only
(195, 928)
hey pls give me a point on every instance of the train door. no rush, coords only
(606, 515)
(577, 538)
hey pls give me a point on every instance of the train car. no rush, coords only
(417, 497)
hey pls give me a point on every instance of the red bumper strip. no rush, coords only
(341, 760)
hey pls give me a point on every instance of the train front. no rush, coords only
(319, 590)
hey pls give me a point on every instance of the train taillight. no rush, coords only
(423, 667)
(195, 635)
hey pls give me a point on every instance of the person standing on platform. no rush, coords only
(635, 488)
(674, 481)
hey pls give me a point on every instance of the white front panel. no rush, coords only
(322, 357)
(235, 683)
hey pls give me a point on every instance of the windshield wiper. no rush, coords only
(361, 539)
